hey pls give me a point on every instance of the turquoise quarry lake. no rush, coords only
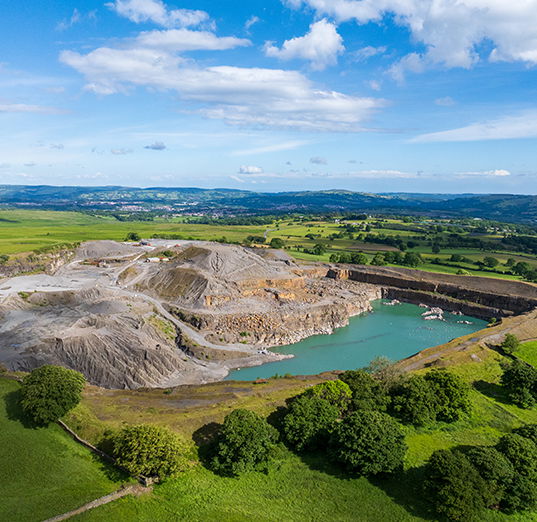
(395, 332)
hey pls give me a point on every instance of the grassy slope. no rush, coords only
(44, 472)
(298, 489)
(528, 352)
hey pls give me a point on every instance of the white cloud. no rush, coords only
(447, 101)
(120, 152)
(22, 107)
(486, 173)
(509, 127)
(157, 145)
(66, 24)
(251, 21)
(276, 147)
(236, 178)
(250, 169)
(321, 46)
(239, 96)
(375, 85)
(186, 40)
(317, 160)
(155, 11)
(363, 54)
(450, 30)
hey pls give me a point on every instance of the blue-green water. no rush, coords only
(392, 331)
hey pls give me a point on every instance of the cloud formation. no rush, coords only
(22, 107)
(449, 30)
(157, 145)
(250, 169)
(156, 11)
(509, 127)
(321, 46)
(317, 160)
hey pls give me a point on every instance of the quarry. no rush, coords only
(165, 313)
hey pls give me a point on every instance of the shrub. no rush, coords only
(510, 344)
(414, 402)
(494, 468)
(369, 442)
(151, 451)
(49, 392)
(133, 236)
(454, 486)
(367, 394)
(520, 381)
(529, 431)
(309, 422)
(451, 394)
(246, 442)
(276, 242)
(4, 259)
(336, 393)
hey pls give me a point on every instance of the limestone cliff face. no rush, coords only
(48, 263)
(500, 297)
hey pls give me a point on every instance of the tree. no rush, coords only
(528, 431)
(133, 236)
(520, 381)
(336, 393)
(309, 422)
(49, 392)
(151, 451)
(358, 258)
(491, 262)
(385, 371)
(367, 393)
(521, 268)
(455, 487)
(494, 468)
(319, 249)
(276, 242)
(452, 394)
(436, 248)
(369, 442)
(412, 259)
(510, 344)
(414, 402)
(246, 442)
(378, 260)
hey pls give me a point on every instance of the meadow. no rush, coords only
(44, 472)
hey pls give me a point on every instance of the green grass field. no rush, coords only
(301, 488)
(43, 471)
(528, 352)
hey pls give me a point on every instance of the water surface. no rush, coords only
(392, 331)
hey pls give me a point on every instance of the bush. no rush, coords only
(276, 242)
(246, 442)
(367, 393)
(510, 344)
(454, 486)
(309, 422)
(529, 431)
(451, 394)
(336, 393)
(4, 259)
(49, 392)
(133, 236)
(494, 468)
(414, 402)
(151, 451)
(520, 381)
(369, 442)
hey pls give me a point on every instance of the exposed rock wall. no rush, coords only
(47, 263)
(505, 297)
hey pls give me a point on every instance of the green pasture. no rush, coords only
(528, 352)
(44, 472)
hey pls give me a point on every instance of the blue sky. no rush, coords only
(367, 95)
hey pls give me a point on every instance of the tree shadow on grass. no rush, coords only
(15, 412)
(402, 487)
(205, 440)
(493, 391)
(110, 470)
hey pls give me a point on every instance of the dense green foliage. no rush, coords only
(277, 242)
(246, 442)
(510, 344)
(369, 443)
(133, 236)
(528, 431)
(49, 392)
(437, 395)
(336, 393)
(309, 421)
(150, 451)
(367, 391)
(520, 381)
